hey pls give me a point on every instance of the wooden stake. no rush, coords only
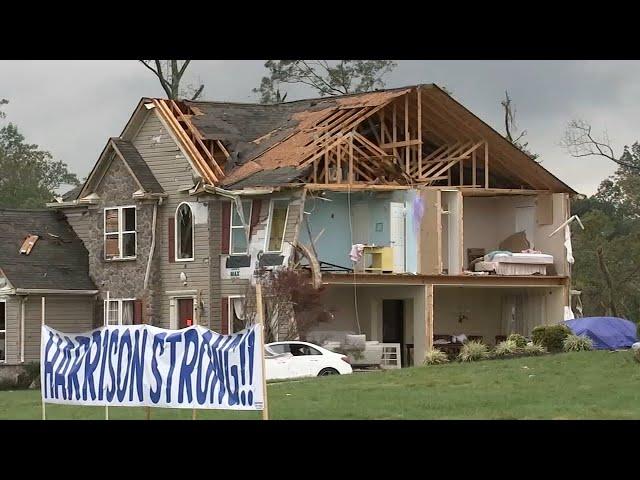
(106, 323)
(473, 167)
(260, 321)
(486, 164)
(44, 408)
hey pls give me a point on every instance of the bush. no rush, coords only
(506, 348)
(534, 349)
(575, 343)
(435, 357)
(472, 351)
(519, 340)
(551, 336)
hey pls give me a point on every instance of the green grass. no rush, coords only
(579, 385)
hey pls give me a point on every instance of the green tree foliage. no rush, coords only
(612, 224)
(28, 176)
(335, 78)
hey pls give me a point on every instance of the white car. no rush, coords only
(301, 359)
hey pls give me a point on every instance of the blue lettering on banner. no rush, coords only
(142, 365)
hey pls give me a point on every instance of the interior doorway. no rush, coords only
(393, 321)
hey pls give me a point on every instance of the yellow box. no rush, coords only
(381, 259)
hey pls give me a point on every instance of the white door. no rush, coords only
(397, 234)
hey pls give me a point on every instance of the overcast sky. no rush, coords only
(71, 108)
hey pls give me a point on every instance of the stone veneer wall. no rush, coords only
(122, 278)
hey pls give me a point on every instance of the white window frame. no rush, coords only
(284, 231)
(3, 305)
(230, 299)
(120, 232)
(177, 235)
(120, 310)
(231, 226)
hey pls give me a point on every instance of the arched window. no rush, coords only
(184, 232)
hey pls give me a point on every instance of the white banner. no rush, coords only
(142, 365)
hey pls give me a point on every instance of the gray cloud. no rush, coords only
(71, 107)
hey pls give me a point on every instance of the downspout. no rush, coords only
(153, 244)
(23, 301)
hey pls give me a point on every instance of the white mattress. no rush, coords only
(524, 258)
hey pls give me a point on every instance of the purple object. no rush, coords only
(418, 212)
(607, 333)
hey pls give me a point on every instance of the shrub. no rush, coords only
(435, 357)
(519, 340)
(575, 343)
(534, 349)
(503, 349)
(472, 351)
(551, 336)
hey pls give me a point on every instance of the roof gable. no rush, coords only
(137, 167)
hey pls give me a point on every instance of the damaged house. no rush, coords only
(420, 220)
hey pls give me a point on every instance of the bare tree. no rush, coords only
(579, 141)
(170, 73)
(3, 102)
(291, 305)
(511, 126)
(327, 78)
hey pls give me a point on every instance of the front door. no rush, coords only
(185, 312)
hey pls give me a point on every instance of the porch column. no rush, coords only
(423, 324)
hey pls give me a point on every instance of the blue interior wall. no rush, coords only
(335, 243)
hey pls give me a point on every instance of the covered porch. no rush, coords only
(418, 310)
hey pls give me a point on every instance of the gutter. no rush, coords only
(23, 302)
(51, 291)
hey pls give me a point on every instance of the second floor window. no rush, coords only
(184, 232)
(277, 222)
(239, 243)
(120, 233)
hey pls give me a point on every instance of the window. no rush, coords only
(120, 311)
(120, 233)
(280, 348)
(3, 331)
(184, 232)
(277, 221)
(237, 319)
(296, 349)
(239, 241)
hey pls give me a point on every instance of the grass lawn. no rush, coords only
(582, 385)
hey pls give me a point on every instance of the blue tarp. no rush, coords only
(607, 333)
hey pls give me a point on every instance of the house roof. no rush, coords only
(284, 138)
(267, 138)
(58, 260)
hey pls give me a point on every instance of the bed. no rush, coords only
(507, 263)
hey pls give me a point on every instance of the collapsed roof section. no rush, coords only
(411, 136)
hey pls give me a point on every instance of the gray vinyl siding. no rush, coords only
(173, 172)
(67, 313)
(12, 325)
(236, 286)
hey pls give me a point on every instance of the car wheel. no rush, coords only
(328, 371)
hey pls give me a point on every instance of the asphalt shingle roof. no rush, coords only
(58, 259)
